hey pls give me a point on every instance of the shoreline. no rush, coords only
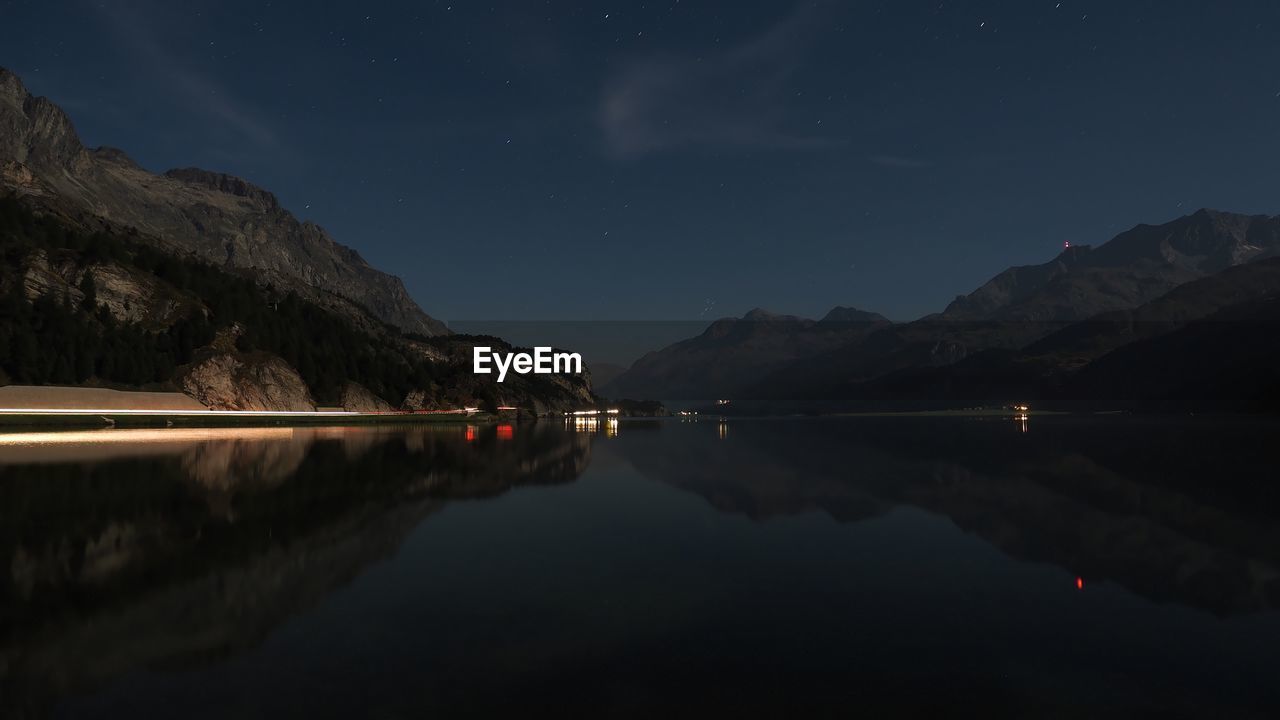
(44, 419)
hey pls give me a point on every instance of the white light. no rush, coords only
(162, 413)
(220, 413)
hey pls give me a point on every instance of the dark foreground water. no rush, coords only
(855, 567)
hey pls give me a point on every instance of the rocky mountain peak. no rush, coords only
(761, 315)
(1133, 267)
(842, 314)
(224, 219)
(11, 87)
(230, 184)
(33, 130)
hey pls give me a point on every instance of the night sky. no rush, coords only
(691, 159)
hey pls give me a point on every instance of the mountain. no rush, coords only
(1227, 362)
(110, 309)
(603, 373)
(200, 282)
(1019, 331)
(735, 352)
(1025, 304)
(1134, 267)
(220, 218)
(1205, 345)
(1082, 342)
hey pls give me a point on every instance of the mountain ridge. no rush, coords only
(220, 217)
(732, 353)
(1133, 267)
(1017, 308)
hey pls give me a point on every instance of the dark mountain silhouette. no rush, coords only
(1132, 268)
(1229, 361)
(1064, 313)
(735, 352)
(1205, 345)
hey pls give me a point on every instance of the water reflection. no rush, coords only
(144, 549)
(132, 548)
(593, 425)
(1176, 510)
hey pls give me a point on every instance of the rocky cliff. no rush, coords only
(220, 218)
(223, 378)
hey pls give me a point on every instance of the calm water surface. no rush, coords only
(883, 567)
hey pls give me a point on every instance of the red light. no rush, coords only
(505, 432)
(1079, 583)
(471, 433)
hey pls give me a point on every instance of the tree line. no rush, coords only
(56, 339)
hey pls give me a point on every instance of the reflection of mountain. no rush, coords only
(203, 549)
(1174, 511)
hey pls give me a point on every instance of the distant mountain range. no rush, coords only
(733, 353)
(1052, 332)
(201, 282)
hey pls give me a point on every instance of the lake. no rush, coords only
(893, 566)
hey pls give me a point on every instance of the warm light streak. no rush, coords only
(139, 435)
(182, 413)
(225, 413)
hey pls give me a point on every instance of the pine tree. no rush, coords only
(90, 290)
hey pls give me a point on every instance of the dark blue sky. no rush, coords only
(680, 160)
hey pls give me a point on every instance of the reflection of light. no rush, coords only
(1079, 583)
(1022, 422)
(593, 423)
(225, 413)
(471, 433)
(195, 413)
(505, 432)
(724, 430)
(142, 435)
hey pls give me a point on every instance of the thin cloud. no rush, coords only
(196, 90)
(735, 98)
